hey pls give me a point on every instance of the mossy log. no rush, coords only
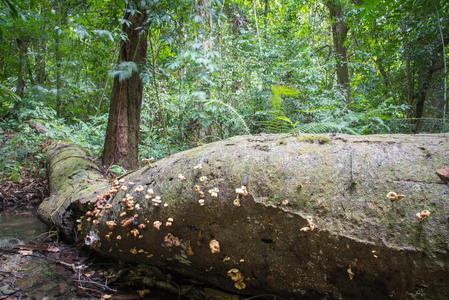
(315, 220)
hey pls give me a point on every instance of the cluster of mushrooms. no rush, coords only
(421, 216)
(129, 216)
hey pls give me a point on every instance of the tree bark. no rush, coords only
(316, 220)
(122, 135)
(20, 87)
(58, 74)
(339, 33)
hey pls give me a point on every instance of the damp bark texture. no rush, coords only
(316, 220)
(122, 133)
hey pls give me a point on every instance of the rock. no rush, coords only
(312, 218)
(443, 174)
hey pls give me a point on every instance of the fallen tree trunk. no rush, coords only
(310, 213)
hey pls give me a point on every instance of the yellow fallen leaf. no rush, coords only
(143, 292)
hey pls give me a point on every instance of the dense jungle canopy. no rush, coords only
(212, 69)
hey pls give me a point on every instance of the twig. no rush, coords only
(97, 284)
(67, 265)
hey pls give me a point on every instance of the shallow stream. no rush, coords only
(29, 275)
(19, 229)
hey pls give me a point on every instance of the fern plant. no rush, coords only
(280, 123)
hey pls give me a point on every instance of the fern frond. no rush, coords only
(324, 128)
(233, 111)
(279, 124)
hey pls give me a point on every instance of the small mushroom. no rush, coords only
(203, 179)
(122, 214)
(311, 225)
(111, 224)
(95, 222)
(421, 216)
(237, 277)
(201, 202)
(141, 226)
(157, 224)
(124, 188)
(214, 192)
(350, 273)
(119, 237)
(157, 201)
(127, 222)
(169, 222)
(181, 177)
(242, 191)
(392, 196)
(214, 246)
(148, 161)
(108, 206)
(134, 232)
(172, 240)
(236, 201)
(139, 189)
(240, 285)
(121, 181)
(198, 167)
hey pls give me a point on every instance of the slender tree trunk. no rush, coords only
(267, 8)
(20, 87)
(425, 80)
(122, 135)
(339, 33)
(58, 74)
(383, 72)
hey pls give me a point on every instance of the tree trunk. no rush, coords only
(20, 87)
(41, 74)
(339, 33)
(313, 218)
(58, 74)
(122, 135)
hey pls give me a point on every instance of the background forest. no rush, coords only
(217, 68)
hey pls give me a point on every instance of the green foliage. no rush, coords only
(214, 71)
(20, 152)
(7, 100)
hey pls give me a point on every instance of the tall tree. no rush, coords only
(122, 135)
(339, 34)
